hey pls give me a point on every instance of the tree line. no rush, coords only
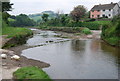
(73, 19)
(21, 21)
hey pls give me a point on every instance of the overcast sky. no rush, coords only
(37, 6)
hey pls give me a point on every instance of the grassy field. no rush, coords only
(31, 73)
(15, 31)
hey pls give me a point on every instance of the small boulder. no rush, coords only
(15, 57)
(4, 56)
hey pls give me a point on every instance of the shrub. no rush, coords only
(113, 41)
(111, 32)
(115, 19)
(86, 31)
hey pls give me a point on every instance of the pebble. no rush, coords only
(3, 56)
(4, 64)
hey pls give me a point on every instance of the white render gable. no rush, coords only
(119, 7)
(116, 10)
(110, 13)
(107, 12)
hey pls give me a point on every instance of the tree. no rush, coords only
(45, 17)
(78, 12)
(22, 20)
(5, 16)
(6, 6)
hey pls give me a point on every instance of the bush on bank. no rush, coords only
(32, 73)
(111, 32)
(86, 31)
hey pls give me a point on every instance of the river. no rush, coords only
(73, 58)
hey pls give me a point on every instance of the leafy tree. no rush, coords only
(65, 18)
(5, 17)
(45, 17)
(22, 20)
(6, 6)
(78, 12)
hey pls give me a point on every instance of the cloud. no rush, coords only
(37, 6)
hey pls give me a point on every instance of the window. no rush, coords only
(103, 15)
(103, 10)
(109, 9)
(92, 15)
(98, 16)
(92, 11)
(109, 14)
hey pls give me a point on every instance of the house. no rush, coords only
(105, 10)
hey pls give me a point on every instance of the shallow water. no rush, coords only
(74, 59)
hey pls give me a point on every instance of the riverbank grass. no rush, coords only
(111, 32)
(32, 73)
(15, 31)
(17, 36)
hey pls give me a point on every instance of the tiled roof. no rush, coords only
(104, 6)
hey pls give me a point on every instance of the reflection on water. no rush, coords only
(78, 59)
(77, 46)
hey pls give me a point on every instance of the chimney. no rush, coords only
(111, 2)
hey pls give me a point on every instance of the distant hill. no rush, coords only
(38, 17)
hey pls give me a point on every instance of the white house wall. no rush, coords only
(116, 10)
(106, 13)
(119, 7)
